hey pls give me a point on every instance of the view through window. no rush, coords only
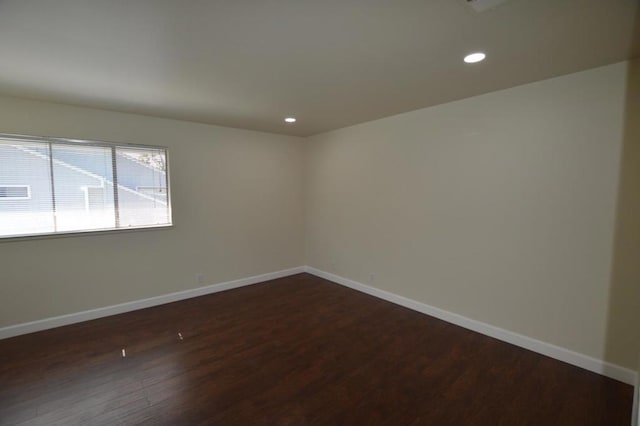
(50, 186)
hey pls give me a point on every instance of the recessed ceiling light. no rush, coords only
(472, 58)
(290, 119)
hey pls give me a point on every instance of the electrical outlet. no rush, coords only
(372, 278)
(199, 278)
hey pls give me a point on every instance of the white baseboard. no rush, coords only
(604, 368)
(30, 327)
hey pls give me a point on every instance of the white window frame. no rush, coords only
(80, 142)
(28, 197)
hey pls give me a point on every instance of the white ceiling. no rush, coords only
(331, 63)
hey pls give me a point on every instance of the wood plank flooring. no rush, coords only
(294, 351)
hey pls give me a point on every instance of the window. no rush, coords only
(15, 192)
(51, 186)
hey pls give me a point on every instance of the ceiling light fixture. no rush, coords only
(290, 119)
(472, 58)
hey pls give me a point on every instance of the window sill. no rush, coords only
(83, 233)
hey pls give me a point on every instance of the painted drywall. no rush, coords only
(500, 208)
(237, 212)
(623, 324)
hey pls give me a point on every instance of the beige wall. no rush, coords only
(623, 325)
(500, 207)
(237, 210)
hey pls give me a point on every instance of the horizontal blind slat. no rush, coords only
(72, 187)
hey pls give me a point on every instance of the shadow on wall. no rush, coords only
(623, 322)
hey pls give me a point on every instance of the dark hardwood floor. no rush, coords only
(294, 351)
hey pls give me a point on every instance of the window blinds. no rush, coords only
(50, 186)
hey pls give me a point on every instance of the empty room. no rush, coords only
(293, 212)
